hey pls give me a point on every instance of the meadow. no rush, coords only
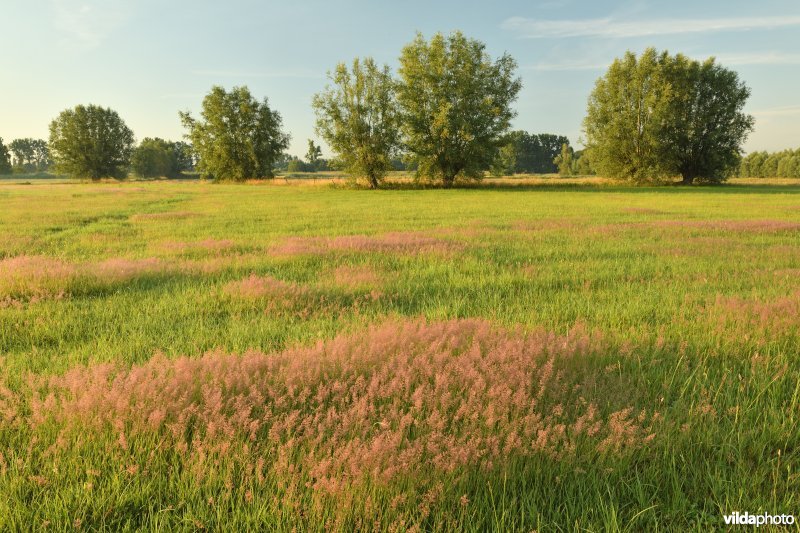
(525, 355)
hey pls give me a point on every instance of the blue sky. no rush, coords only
(148, 59)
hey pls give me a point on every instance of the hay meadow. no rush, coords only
(549, 355)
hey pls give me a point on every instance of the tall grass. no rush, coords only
(187, 355)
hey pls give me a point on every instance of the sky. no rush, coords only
(149, 59)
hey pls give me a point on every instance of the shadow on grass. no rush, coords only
(592, 187)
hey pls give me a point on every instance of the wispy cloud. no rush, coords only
(728, 60)
(777, 111)
(759, 58)
(87, 23)
(288, 73)
(613, 28)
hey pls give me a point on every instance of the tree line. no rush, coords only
(445, 115)
(784, 164)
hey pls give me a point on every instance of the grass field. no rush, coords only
(545, 356)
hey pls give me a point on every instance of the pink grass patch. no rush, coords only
(354, 277)
(211, 245)
(547, 224)
(122, 269)
(265, 286)
(643, 211)
(173, 215)
(768, 319)
(401, 398)
(31, 278)
(397, 242)
(739, 226)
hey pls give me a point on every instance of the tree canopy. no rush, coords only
(5, 159)
(783, 164)
(530, 153)
(456, 105)
(155, 157)
(656, 116)
(30, 154)
(91, 142)
(357, 116)
(238, 138)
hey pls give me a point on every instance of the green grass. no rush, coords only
(695, 288)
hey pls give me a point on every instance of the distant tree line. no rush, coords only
(446, 117)
(785, 164)
(24, 156)
(545, 153)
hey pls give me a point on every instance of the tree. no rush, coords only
(625, 111)
(41, 155)
(91, 142)
(296, 164)
(706, 126)
(22, 151)
(582, 165)
(155, 158)
(564, 161)
(313, 156)
(456, 105)
(532, 153)
(657, 116)
(30, 154)
(184, 154)
(238, 137)
(358, 118)
(505, 162)
(5, 159)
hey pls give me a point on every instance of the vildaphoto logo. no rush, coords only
(746, 519)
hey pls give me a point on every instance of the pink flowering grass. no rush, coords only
(32, 278)
(207, 245)
(170, 215)
(727, 226)
(302, 300)
(29, 279)
(405, 398)
(404, 242)
(753, 318)
(354, 277)
(643, 211)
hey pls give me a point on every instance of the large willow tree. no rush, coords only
(357, 116)
(456, 105)
(237, 138)
(656, 116)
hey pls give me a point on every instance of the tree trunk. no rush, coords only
(688, 178)
(373, 182)
(448, 180)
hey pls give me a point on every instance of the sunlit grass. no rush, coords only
(357, 311)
